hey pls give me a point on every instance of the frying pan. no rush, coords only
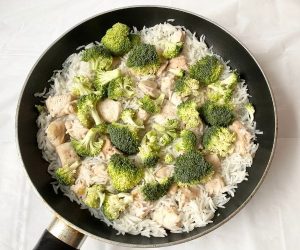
(72, 224)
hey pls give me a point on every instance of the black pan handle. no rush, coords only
(60, 236)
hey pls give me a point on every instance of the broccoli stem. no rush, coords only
(96, 117)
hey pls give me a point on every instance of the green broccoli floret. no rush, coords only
(250, 111)
(207, 70)
(86, 110)
(152, 191)
(123, 173)
(66, 175)
(143, 59)
(104, 77)
(186, 142)
(187, 112)
(185, 86)
(177, 72)
(124, 138)
(167, 132)
(222, 91)
(40, 108)
(151, 106)
(134, 39)
(172, 49)
(115, 204)
(91, 144)
(191, 168)
(148, 155)
(219, 140)
(121, 87)
(94, 196)
(169, 159)
(98, 57)
(128, 116)
(216, 114)
(82, 85)
(117, 40)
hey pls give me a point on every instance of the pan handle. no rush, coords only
(60, 236)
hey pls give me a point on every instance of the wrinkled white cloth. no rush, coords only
(270, 29)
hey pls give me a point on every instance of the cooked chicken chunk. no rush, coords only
(164, 172)
(60, 105)
(178, 63)
(142, 115)
(176, 99)
(149, 88)
(178, 36)
(167, 86)
(215, 185)
(242, 144)
(56, 132)
(108, 149)
(168, 217)
(66, 153)
(162, 68)
(140, 207)
(109, 110)
(214, 160)
(187, 195)
(75, 129)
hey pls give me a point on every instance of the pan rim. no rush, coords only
(237, 210)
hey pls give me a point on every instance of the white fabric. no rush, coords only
(270, 29)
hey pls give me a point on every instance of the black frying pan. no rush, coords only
(92, 30)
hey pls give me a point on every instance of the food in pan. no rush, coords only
(150, 130)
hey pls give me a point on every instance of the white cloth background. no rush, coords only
(270, 29)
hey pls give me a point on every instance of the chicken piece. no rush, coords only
(178, 36)
(142, 115)
(168, 217)
(162, 68)
(214, 160)
(169, 110)
(66, 153)
(109, 110)
(190, 193)
(140, 207)
(78, 189)
(173, 189)
(164, 172)
(176, 99)
(56, 132)
(149, 88)
(167, 86)
(242, 143)
(60, 105)
(215, 185)
(178, 63)
(108, 149)
(75, 129)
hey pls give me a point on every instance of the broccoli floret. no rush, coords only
(216, 114)
(104, 77)
(115, 204)
(98, 57)
(250, 111)
(148, 154)
(86, 110)
(185, 86)
(91, 144)
(152, 191)
(82, 85)
(172, 49)
(123, 173)
(219, 140)
(167, 132)
(66, 175)
(222, 91)
(187, 112)
(151, 106)
(177, 72)
(121, 87)
(40, 108)
(186, 142)
(169, 159)
(94, 196)
(128, 116)
(191, 168)
(117, 40)
(207, 70)
(143, 59)
(134, 39)
(124, 138)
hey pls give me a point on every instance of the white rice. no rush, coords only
(196, 213)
